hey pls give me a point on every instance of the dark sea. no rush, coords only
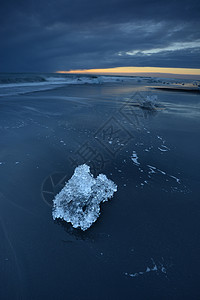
(146, 242)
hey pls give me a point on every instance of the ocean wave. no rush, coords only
(4, 80)
(14, 84)
(26, 79)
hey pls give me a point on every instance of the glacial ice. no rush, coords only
(150, 103)
(134, 158)
(79, 201)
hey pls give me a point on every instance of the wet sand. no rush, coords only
(146, 242)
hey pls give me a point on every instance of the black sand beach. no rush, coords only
(145, 244)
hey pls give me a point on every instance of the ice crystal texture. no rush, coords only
(149, 103)
(79, 201)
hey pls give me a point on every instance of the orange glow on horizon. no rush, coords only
(133, 70)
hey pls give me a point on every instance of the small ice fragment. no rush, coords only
(17, 162)
(79, 201)
(134, 158)
(162, 149)
(151, 171)
(139, 144)
(163, 146)
(161, 171)
(163, 270)
(151, 167)
(133, 275)
(154, 268)
(148, 270)
(177, 179)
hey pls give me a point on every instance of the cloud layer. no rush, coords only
(64, 34)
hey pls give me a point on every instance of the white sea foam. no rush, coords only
(23, 83)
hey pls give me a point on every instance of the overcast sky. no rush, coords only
(51, 35)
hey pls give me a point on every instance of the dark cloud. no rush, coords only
(66, 34)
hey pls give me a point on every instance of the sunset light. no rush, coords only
(135, 70)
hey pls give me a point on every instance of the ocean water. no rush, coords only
(145, 244)
(23, 83)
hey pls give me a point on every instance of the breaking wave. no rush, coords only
(14, 84)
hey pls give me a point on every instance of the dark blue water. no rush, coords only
(145, 244)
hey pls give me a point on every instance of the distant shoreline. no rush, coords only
(179, 89)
